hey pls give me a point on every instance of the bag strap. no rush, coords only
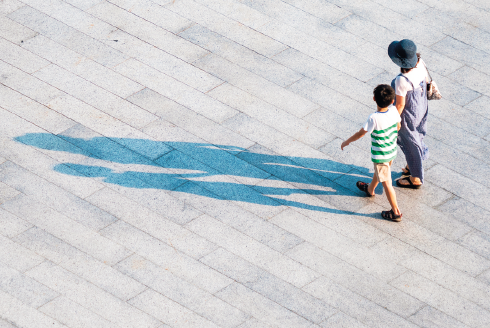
(430, 77)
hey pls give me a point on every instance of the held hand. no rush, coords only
(344, 144)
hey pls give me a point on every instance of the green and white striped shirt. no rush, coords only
(384, 132)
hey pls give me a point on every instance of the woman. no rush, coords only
(411, 102)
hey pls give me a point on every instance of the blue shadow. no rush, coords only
(201, 160)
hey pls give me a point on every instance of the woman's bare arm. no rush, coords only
(400, 104)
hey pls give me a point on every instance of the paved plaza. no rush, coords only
(177, 163)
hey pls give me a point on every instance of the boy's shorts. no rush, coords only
(382, 171)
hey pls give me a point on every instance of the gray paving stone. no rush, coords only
(246, 222)
(442, 299)
(67, 36)
(256, 85)
(7, 192)
(473, 79)
(303, 21)
(476, 241)
(394, 249)
(27, 84)
(467, 212)
(182, 292)
(341, 320)
(261, 307)
(89, 116)
(252, 323)
(431, 317)
(252, 251)
(332, 100)
(478, 106)
(168, 311)
(225, 26)
(336, 244)
(6, 324)
(450, 278)
(104, 276)
(10, 225)
(34, 112)
(429, 242)
(152, 223)
(356, 280)
(477, 146)
(463, 53)
(187, 119)
(47, 245)
(274, 117)
(13, 31)
(95, 96)
(325, 74)
(240, 55)
(176, 91)
(367, 29)
(179, 264)
(74, 315)
(55, 197)
(23, 288)
(461, 117)
(324, 10)
(269, 286)
(472, 35)
(313, 47)
(82, 66)
(146, 31)
(72, 16)
(156, 14)
(18, 314)
(18, 57)
(91, 297)
(459, 185)
(10, 5)
(358, 307)
(17, 256)
(66, 229)
(393, 20)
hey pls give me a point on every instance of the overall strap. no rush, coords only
(406, 78)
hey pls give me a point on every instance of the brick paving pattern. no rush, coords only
(177, 163)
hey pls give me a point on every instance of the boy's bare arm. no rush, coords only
(356, 136)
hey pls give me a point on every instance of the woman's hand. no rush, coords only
(400, 104)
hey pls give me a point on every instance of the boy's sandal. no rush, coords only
(411, 185)
(390, 215)
(406, 172)
(363, 187)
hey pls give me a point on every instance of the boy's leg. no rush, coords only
(390, 194)
(373, 184)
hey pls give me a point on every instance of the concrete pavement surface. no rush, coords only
(177, 163)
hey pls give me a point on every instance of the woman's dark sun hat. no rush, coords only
(403, 53)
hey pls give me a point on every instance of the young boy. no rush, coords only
(383, 126)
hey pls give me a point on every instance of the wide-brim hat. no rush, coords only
(403, 53)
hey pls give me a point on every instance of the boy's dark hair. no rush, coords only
(384, 95)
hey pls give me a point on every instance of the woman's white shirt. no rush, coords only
(416, 75)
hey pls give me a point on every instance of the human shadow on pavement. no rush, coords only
(191, 167)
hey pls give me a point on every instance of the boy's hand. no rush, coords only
(344, 144)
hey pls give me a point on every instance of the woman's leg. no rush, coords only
(413, 156)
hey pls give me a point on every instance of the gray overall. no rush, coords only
(413, 128)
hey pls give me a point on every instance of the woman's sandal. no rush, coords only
(390, 215)
(411, 185)
(406, 172)
(363, 187)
